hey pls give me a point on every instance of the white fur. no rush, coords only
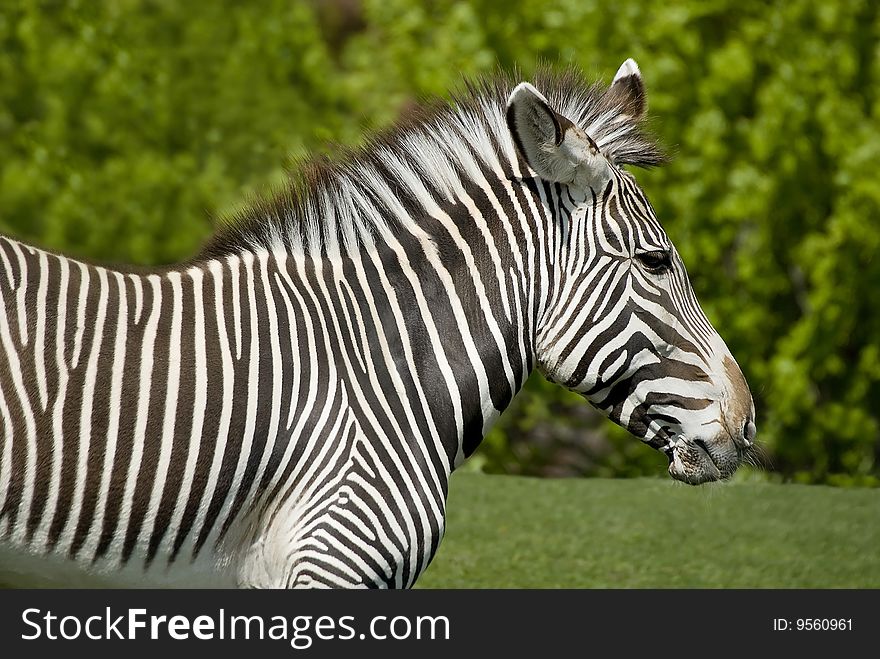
(628, 68)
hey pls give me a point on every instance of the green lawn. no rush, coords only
(511, 532)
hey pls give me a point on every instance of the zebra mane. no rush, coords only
(331, 205)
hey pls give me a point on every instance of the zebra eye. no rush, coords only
(656, 262)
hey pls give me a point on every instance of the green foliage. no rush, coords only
(127, 127)
(653, 533)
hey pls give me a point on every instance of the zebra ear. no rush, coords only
(551, 144)
(629, 90)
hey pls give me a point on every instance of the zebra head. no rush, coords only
(621, 324)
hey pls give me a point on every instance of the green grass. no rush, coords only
(511, 532)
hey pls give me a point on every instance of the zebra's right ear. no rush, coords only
(551, 144)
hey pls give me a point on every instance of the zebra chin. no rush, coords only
(698, 461)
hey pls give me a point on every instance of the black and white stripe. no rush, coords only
(286, 409)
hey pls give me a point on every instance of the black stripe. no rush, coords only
(128, 404)
(213, 405)
(152, 440)
(100, 414)
(183, 421)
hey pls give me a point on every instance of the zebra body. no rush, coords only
(232, 371)
(286, 409)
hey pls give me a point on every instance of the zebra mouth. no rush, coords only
(690, 460)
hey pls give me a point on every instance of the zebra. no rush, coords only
(286, 408)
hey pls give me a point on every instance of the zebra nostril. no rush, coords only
(749, 431)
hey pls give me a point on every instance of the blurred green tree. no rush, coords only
(126, 128)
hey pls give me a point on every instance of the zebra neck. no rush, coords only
(441, 310)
